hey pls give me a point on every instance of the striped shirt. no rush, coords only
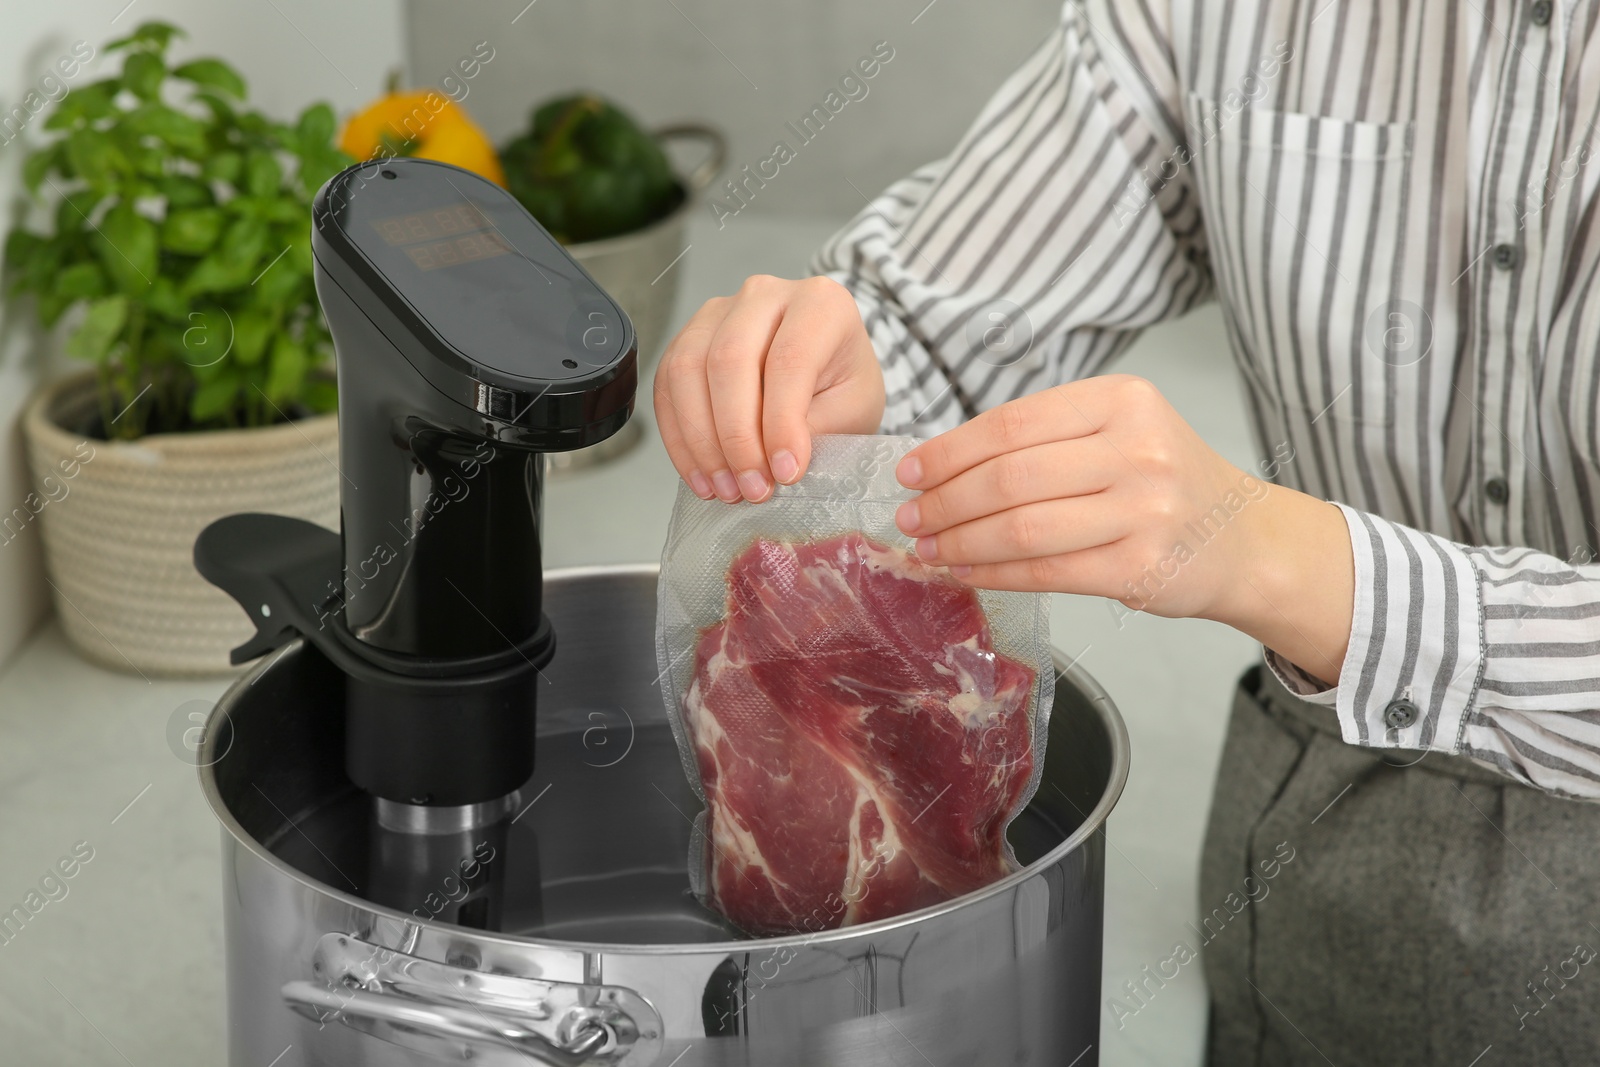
(1394, 206)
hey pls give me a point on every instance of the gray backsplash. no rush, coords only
(753, 69)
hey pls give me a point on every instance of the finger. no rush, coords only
(1075, 409)
(677, 448)
(1044, 529)
(734, 362)
(816, 329)
(687, 395)
(672, 434)
(1088, 573)
(1058, 470)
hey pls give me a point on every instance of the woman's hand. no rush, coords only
(1100, 487)
(742, 389)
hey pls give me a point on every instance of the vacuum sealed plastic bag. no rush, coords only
(860, 726)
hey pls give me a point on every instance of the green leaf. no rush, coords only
(322, 395)
(81, 280)
(159, 343)
(287, 369)
(201, 370)
(51, 307)
(21, 246)
(100, 328)
(263, 176)
(151, 34)
(223, 167)
(253, 124)
(213, 74)
(38, 166)
(95, 158)
(315, 127)
(149, 161)
(168, 124)
(221, 111)
(207, 338)
(143, 73)
(214, 274)
(214, 398)
(75, 210)
(86, 104)
(37, 272)
(287, 210)
(251, 331)
(246, 241)
(233, 262)
(191, 231)
(300, 250)
(181, 192)
(246, 206)
(127, 245)
(318, 165)
(164, 300)
(277, 284)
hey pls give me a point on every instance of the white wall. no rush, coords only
(749, 68)
(291, 52)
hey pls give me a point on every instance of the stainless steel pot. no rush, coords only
(598, 954)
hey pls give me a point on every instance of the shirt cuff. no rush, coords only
(1298, 682)
(1416, 649)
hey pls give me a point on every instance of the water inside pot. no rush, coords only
(597, 847)
(597, 853)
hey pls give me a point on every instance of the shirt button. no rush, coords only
(1497, 490)
(1540, 13)
(1400, 713)
(1505, 256)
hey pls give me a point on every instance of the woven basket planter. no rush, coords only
(119, 530)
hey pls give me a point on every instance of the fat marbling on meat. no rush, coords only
(861, 744)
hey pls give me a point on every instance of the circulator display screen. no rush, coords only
(444, 237)
(456, 250)
(446, 221)
(478, 269)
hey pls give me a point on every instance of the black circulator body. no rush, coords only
(469, 343)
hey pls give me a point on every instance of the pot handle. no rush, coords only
(454, 1012)
(716, 150)
(475, 1029)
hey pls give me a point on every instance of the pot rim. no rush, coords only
(39, 422)
(1092, 824)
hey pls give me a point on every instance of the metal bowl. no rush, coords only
(641, 270)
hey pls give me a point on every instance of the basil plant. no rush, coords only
(181, 243)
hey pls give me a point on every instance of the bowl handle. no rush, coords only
(716, 150)
(457, 1012)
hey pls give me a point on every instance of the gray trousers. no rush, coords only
(1358, 911)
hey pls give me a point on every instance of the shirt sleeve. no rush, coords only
(1488, 653)
(1064, 221)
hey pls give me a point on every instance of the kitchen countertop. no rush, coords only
(125, 968)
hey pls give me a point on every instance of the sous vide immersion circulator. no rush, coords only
(469, 344)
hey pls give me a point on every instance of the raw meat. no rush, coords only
(861, 744)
